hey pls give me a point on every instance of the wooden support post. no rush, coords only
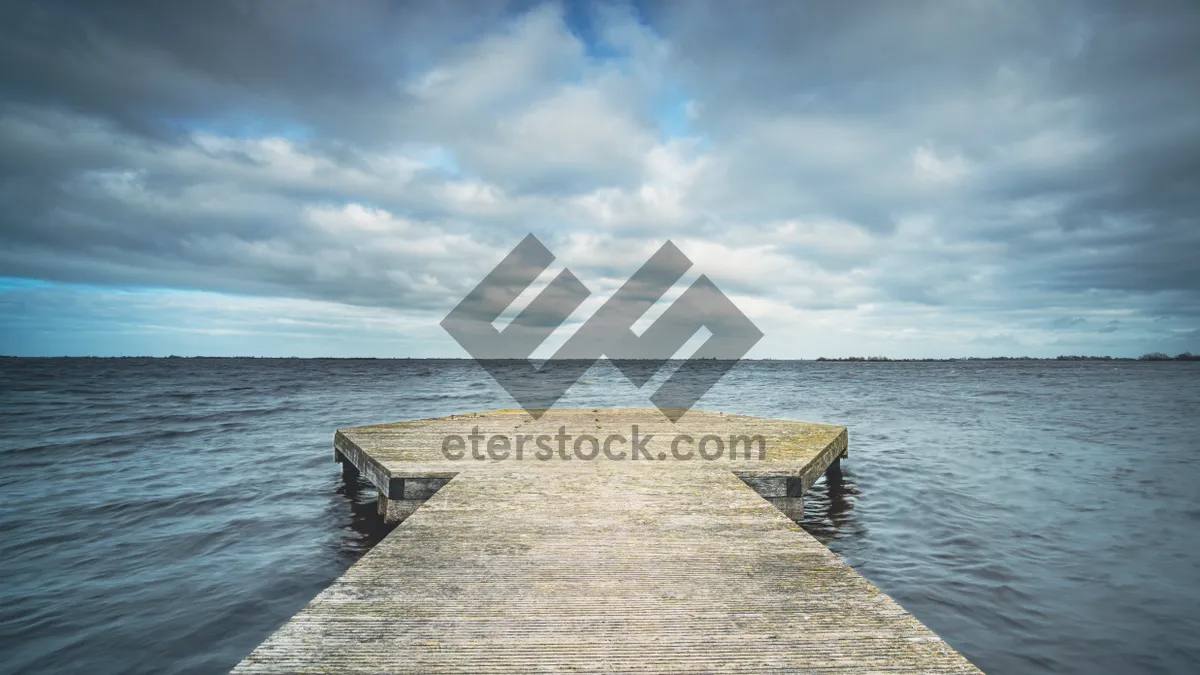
(394, 511)
(833, 475)
(349, 471)
(792, 507)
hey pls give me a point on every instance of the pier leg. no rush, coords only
(394, 511)
(792, 504)
(784, 493)
(348, 467)
(833, 474)
(792, 507)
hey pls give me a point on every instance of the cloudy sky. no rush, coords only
(908, 179)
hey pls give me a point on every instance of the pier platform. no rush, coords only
(574, 557)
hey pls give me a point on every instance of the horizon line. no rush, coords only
(1153, 356)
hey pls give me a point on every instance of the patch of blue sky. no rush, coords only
(672, 111)
(243, 126)
(581, 19)
(17, 284)
(20, 283)
(441, 159)
(675, 113)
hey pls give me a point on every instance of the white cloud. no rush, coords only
(932, 167)
(906, 205)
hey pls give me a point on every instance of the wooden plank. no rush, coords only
(574, 565)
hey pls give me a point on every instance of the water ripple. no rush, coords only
(164, 516)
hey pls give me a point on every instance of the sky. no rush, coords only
(913, 179)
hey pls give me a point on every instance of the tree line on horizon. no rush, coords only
(1153, 356)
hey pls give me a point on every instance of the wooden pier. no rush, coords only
(565, 555)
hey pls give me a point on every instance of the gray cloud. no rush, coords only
(1088, 105)
(1022, 170)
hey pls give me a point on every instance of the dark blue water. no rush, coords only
(163, 516)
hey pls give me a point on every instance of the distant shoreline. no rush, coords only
(1157, 357)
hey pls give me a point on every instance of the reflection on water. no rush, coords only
(365, 522)
(829, 507)
(164, 516)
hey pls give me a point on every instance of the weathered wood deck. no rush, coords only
(567, 565)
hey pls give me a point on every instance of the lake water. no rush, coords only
(165, 516)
